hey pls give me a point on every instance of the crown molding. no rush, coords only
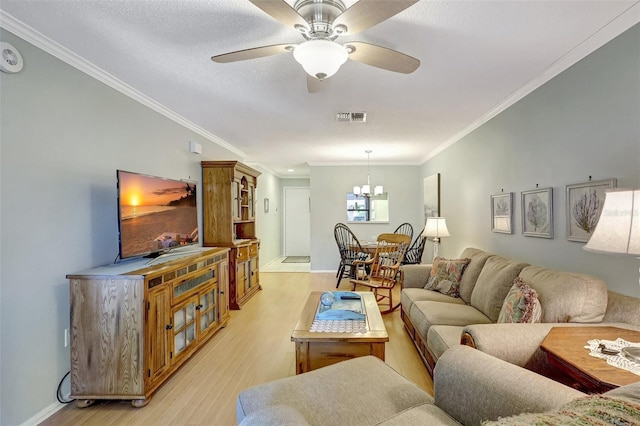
(599, 38)
(22, 30)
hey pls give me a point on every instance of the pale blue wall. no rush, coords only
(585, 122)
(63, 135)
(329, 187)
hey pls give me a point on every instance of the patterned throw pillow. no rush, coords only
(446, 274)
(521, 304)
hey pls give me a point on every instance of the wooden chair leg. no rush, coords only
(340, 274)
(390, 300)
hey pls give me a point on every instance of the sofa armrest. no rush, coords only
(517, 344)
(472, 386)
(416, 276)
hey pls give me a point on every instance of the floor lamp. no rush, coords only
(618, 232)
(618, 229)
(436, 228)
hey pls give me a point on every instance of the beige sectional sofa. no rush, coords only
(470, 387)
(436, 321)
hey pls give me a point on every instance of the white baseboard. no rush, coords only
(43, 414)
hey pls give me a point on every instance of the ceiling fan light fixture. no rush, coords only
(320, 58)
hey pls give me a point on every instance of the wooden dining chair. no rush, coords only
(382, 272)
(350, 251)
(413, 255)
(406, 229)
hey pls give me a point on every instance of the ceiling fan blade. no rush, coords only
(367, 13)
(381, 57)
(281, 11)
(315, 85)
(256, 52)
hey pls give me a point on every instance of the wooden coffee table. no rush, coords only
(319, 349)
(565, 349)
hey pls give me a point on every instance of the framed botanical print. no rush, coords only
(537, 213)
(502, 212)
(584, 203)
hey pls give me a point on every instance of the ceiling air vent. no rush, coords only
(351, 117)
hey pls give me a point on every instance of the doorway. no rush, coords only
(297, 221)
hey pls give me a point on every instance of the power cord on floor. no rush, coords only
(59, 391)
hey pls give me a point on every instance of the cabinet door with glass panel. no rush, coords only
(207, 310)
(183, 326)
(236, 199)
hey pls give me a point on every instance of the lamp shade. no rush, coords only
(320, 58)
(618, 229)
(436, 227)
(378, 190)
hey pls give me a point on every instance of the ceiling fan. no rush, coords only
(321, 22)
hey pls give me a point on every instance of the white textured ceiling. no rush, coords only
(477, 57)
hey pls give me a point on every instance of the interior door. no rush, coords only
(297, 221)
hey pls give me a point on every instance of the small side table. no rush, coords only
(565, 349)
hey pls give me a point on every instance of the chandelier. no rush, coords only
(365, 190)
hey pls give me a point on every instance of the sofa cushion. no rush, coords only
(442, 337)
(472, 271)
(566, 296)
(334, 395)
(445, 275)
(424, 314)
(622, 308)
(521, 304)
(416, 276)
(494, 282)
(411, 295)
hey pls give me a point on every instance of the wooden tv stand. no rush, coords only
(133, 324)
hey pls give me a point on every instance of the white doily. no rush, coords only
(617, 360)
(339, 326)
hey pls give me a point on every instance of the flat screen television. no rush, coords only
(155, 214)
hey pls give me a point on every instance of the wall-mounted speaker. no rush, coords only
(11, 60)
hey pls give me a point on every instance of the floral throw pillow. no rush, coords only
(446, 274)
(521, 304)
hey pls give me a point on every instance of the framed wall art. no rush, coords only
(431, 187)
(502, 212)
(584, 203)
(537, 213)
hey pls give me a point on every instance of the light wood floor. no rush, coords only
(254, 348)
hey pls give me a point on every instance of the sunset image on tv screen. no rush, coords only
(155, 214)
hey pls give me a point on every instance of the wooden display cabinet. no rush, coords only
(134, 324)
(229, 220)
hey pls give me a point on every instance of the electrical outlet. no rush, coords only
(66, 337)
